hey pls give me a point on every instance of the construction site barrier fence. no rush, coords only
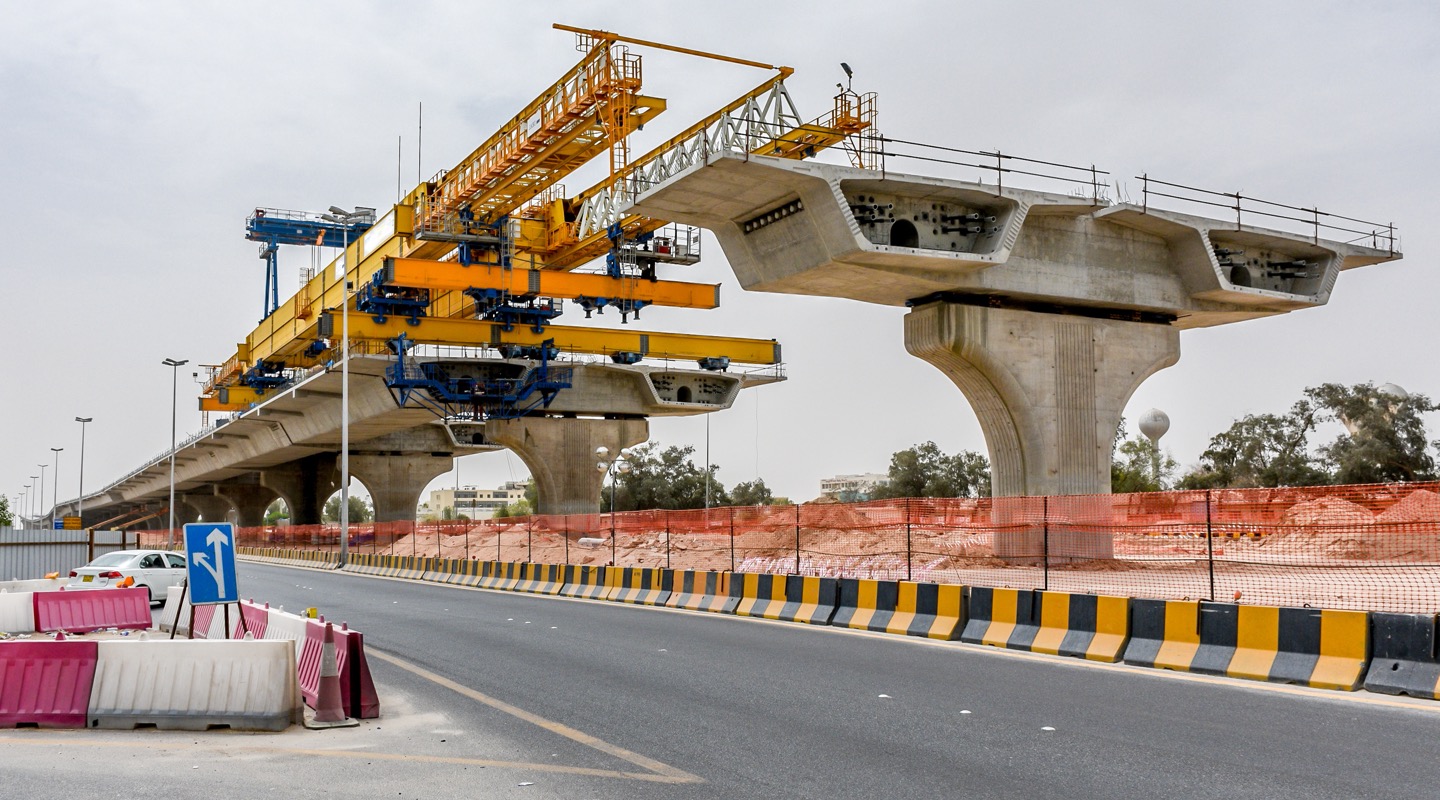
(1372, 548)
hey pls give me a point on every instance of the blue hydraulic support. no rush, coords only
(493, 398)
(272, 227)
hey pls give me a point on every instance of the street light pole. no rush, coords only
(55, 493)
(610, 466)
(346, 219)
(30, 497)
(80, 498)
(40, 506)
(174, 366)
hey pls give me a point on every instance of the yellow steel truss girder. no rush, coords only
(599, 341)
(448, 275)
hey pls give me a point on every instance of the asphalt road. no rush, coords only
(491, 694)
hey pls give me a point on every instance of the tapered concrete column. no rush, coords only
(1049, 389)
(560, 453)
(212, 507)
(250, 502)
(397, 481)
(305, 484)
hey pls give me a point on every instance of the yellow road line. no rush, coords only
(660, 769)
(46, 738)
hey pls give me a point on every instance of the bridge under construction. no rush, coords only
(1047, 309)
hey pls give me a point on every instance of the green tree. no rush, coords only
(1138, 465)
(664, 479)
(359, 509)
(1261, 450)
(277, 511)
(519, 508)
(7, 520)
(925, 471)
(1385, 437)
(752, 493)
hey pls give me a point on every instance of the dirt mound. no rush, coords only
(1420, 505)
(1324, 512)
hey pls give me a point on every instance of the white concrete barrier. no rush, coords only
(167, 615)
(17, 612)
(195, 685)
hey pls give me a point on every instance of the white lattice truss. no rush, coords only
(748, 128)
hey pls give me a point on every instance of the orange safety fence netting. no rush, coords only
(1373, 547)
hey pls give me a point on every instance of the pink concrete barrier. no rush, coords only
(46, 684)
(92, 610)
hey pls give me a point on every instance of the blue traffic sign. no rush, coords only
(210, 563)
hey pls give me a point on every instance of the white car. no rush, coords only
(152, 570)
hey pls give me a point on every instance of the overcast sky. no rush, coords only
(135, 142)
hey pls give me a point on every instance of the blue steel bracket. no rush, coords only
(715, 363)
(626, 357)
(624, 305)
(265, 375)
(500, 398)
(508, 310)
(380, 300)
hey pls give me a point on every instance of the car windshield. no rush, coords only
(111, 560)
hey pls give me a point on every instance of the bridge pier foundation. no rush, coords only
(560, 453)
(1049, 391)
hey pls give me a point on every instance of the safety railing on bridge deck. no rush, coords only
(1378, 235)
(1358, 547)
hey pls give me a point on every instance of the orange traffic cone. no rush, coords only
(329, 710)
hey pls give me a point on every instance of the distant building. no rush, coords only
(474, 503)
(850, 487)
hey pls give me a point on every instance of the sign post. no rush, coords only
(210, 567)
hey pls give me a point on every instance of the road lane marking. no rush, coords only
(47, 739)
(660, 769)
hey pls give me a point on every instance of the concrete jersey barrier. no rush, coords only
(1001, 618)
(932, 610)
(1406, 656)
(1094, 627)
(702, 591)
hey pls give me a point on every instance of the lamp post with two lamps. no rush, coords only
(174, 366)
(610, 467)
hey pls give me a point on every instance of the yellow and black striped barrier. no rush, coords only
(505, 575)
(1315, 647)
(647, 586)
(587, 582)
(1094, 627)
(794, 598)
(1406, 659)
(702, 591)
(542, 579)
(933, 610)
(1001, 618)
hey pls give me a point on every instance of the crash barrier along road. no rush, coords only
(1320, 648)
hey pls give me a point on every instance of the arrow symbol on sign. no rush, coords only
(215, 539)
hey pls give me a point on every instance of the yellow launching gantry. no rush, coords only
(482, 254)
